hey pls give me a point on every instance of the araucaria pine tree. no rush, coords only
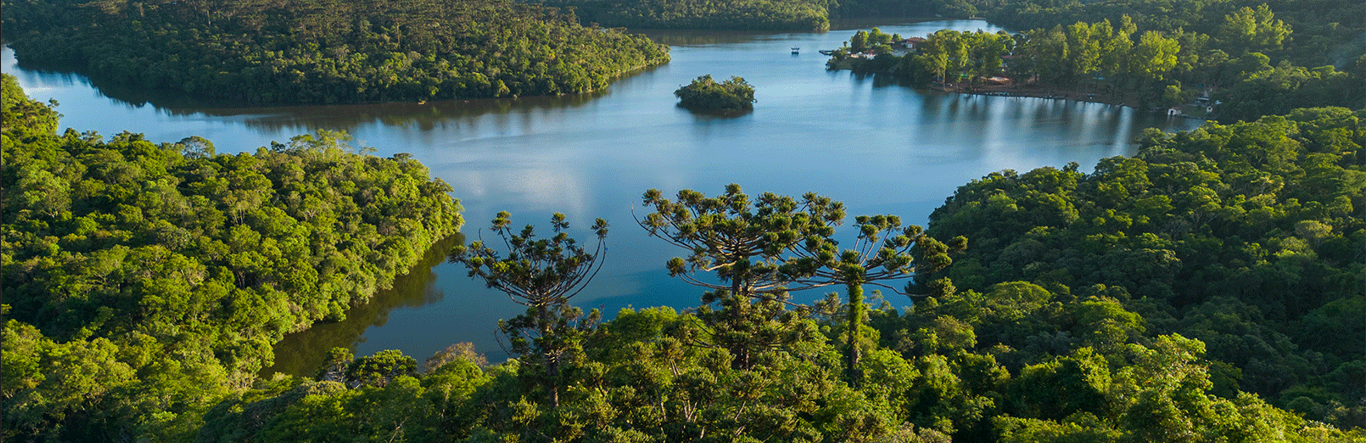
(541, 274)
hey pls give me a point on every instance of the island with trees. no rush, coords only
(1148, 301)
(318, 52)
(705, 94)
(1206, 288)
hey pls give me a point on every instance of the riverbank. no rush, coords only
(1006, 87)
(1128, 99)
(1123, 98)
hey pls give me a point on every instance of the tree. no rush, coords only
(1153, 56)
(1084, 50)
(746, 243)
(380, 369)
(541, 274)
(867, 262)
(1115, 45)
(1049, 49)
(946, 52)
(1249, 30)
(859, 42)
(985, 52)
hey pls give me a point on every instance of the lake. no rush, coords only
(880, 148)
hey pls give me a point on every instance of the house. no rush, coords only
(910, 44)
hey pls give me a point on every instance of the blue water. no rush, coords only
(880, 148)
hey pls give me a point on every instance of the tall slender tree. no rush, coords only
(747, 244)
(541, 274)
(883, 251)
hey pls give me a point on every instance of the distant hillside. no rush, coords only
(322, 51)
(1327, 32)
(754, 15)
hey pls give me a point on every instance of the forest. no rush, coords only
(1326, 25)
(143, 282)
(323, 51)
(743, 15)
(1248, 237)
(1154, 64)
(1206, 289)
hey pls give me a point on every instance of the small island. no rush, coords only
(704, 94)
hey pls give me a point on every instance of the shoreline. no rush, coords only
(1126, 99)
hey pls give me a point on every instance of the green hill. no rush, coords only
(327, 51)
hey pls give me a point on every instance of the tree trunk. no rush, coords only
(552, 361)
(741, 351)
(853, 355)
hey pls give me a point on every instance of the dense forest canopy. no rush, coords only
(1326, 32)
(1248, 237)
(753, 15)
(1266, 57)
(1206, 290)
(1161, 298)
(144, 281)
(1243, 66)
(1209, 288)
(311, 51)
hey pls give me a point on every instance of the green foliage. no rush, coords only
(22, 117)
(748, 244)
(1253, 30)
(1284, 88)
(1228, 234)
(821, 259)
(1018, 362)
(1241, 54)
(327, 51)
(456, 352)
(541, 274)
(380, 369)
(144, 281)
(705, 94)
(748, 15)
(1322, 35)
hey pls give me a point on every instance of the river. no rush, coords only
(880, 148)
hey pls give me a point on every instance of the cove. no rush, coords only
(880, 148)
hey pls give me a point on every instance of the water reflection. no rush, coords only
(302, 353)
(878, 147)
(449, 115)
(673, 37)
(426, 117)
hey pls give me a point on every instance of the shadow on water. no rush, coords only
(675, 37)
(302, 352)
(704, 115)
(425, 116)
(131, 95)
(846, 24)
